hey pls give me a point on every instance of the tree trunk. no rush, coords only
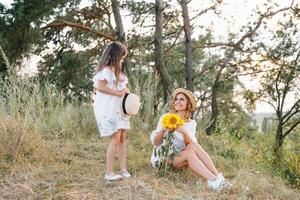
(158, 51)
(214, 104)
(188, 46)
(154, 91)
(279, 134)
(121, 36)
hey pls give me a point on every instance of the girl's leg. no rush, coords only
(122, 150)
(203, 156)
(111, 151)
(194, 164)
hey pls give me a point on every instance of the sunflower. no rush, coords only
(172, 121)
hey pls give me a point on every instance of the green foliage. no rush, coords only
(19, 26)
(236, 124)
(284, 163)
(70, 72)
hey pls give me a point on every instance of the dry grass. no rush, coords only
(51, 150)
(74, 170)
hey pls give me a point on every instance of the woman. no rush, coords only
(190, 153)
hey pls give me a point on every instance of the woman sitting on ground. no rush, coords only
(190, 153)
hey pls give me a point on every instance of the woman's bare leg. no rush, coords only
(194, 164)
(203, 156)
(111, 151)
(122, 150)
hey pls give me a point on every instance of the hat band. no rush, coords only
(123, 103)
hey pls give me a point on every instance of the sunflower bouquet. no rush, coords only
(166, 151)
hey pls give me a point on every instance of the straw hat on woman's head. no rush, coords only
(189, 94)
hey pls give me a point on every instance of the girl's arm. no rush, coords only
(104, 89)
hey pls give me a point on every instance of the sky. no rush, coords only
(237, 12)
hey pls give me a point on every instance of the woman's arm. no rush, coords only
(104, 89)
(185, 134)
(158, 138)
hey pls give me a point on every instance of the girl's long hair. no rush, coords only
(188, 108)
(111, 57)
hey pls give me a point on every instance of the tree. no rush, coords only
(121, 36)
(158, 50)
(188, 46)
(229, 55)
(19, 31)
(281, 83)
(77, 36)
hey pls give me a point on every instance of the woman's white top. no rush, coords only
(107, 107)
(178, 141)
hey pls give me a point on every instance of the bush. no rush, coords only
(284, 163)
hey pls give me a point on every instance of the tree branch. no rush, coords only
(63, 24)
(291, 113)
(249, 34)
(269, 104)
(217, 44)
(203, 12)
(172, 45)
(290, 129)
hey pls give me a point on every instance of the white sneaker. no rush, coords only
(219, 184)
(214, 184)
(125, 173)
(112, 177)
(224, 183)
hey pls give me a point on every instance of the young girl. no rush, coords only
(110, 85)
(190, 153)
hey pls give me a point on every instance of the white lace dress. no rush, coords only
(107, 107)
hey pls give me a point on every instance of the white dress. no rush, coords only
(178, 141)
(107, 107)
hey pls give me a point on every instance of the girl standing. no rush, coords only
(110, 85)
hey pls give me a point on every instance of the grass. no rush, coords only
(50, 149)
(74, 169)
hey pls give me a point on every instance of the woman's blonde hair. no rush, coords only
(111, 57)
(189, 107)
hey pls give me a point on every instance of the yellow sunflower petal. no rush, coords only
(172, 121)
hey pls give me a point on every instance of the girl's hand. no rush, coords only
(127, 90)
(123, 92)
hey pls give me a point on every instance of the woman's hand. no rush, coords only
(181, 129)
(159, 137)
(168, 130)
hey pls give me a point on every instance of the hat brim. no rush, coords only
(130, 104)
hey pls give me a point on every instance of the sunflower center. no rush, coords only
(173, 120)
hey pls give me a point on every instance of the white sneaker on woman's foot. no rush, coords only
(224, 183)
(125, 173)
(112, 177)
(214, 184)
(219, 184)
